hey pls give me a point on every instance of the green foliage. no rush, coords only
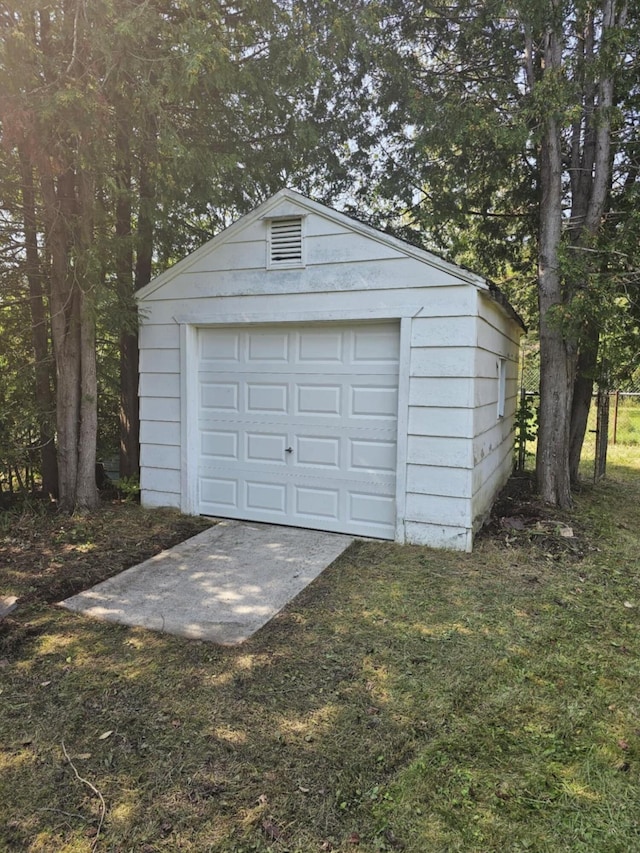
(526, 426)
(181, 117)
(186, 115)
(19, 430)
(129, 488)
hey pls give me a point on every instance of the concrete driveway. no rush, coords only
(221, 585)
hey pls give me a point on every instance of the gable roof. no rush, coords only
(289, 203)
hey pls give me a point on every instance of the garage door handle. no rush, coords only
(288, 450)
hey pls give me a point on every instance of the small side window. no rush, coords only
(502, 385)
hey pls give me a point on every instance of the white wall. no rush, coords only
(493, 435)
(446, 445)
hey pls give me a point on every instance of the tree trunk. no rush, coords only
(591, 182)
(556, 357)
(66, 344)
(57, 201)
(581, 404)
(68, 226)
(556, 385)
(39, 335)
(128, 416)
(86, 491)
(129, 354)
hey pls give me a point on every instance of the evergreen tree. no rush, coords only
(507, 139)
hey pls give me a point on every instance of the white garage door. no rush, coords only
(297, 425)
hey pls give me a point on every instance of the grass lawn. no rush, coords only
(409, 700)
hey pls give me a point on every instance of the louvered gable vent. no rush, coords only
(286, 242)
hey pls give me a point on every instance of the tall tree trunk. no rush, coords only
(68, 224)
(124, 271)
(591, 173)
(57, 198)
(129, 354)
(66, 345)
(39, 334)
(581, 404)
(86, 491)
(556, 358)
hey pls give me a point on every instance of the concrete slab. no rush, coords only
(221, 585)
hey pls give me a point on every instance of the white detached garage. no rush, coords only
(302, 368)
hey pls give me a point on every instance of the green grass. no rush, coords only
(408, 700)
(627, 428)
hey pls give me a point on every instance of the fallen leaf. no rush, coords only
(272, 831)
(623, 744)
(303, 790)
(354, 838)
(45, 683)
(83, 756)
(513, 523)
(629, 604)
(263, 799)
(105, 735)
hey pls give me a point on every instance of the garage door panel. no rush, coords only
(267, 397)
(266, 496)
(317, 503)
(317, 451)
(219, 444)
(318, 399)
(220, 345)
(373, 401)
(379, 346)
(265, 447)
(219, 492)
(220, 396)
(371, 508)
(301, 428)
(320, 347)
(265, 346)
(358, 479)
(372, 455)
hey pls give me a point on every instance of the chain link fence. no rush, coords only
(623, 409)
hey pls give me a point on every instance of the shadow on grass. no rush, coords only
(407, 700)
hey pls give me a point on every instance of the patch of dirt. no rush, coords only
(520, 519)
(46, 556)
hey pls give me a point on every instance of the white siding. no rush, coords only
(453, 452)
(439, 536)
(406, 302)
(441, 425)
(493, 439)
(154, 336)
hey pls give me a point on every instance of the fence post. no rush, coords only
(602, 435)
(522, 430)
(615, 417)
